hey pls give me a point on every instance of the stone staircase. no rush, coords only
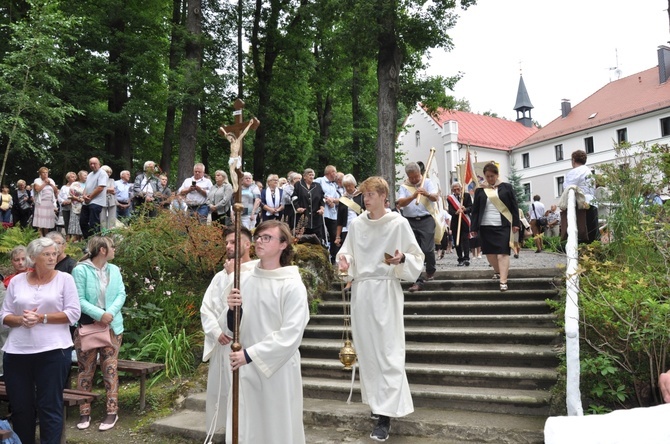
(480, 363)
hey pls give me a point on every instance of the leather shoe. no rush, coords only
(430, 277)
(466, 263)
(415, 287)
(460, 264)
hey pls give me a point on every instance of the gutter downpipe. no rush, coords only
(573, 396)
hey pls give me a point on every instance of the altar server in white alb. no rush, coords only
(379, 251)
(275, 313)
(217, 342)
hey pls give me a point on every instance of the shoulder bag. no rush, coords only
(95, 335)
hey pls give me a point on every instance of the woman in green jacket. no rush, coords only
(101, 295)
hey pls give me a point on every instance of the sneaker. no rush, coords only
(84, 422)
(108, 422)
(382, 429)
(460, 264)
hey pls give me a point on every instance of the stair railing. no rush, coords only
(573, 397)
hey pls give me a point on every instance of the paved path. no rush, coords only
(527, 259)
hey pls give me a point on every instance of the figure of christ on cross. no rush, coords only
(235, 134)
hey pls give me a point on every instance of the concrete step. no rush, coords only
(518, 355)
(461, 320)
(482, 335)
(432, 292)
(446, 374)
(336, 422)
(480, 307)
(476, 399)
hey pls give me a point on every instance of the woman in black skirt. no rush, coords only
(495, 217)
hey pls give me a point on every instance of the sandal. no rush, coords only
(496, 276)
(503, 286)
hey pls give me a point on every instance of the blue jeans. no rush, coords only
(6, 215)
(202, 211)
(35, 382)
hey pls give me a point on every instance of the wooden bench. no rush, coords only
(141, 369)
(70, 398)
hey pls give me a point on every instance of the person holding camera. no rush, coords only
(537, 221)
(195, 190)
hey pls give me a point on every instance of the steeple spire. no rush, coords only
(523, 105)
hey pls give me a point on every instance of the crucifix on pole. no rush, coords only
(235, 134)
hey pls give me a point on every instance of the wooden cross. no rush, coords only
(235, 134)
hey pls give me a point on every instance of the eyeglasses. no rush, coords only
(264, 238)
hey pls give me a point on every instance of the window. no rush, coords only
(558, 149)
(665, 127)
(622, 135)
(526, 160)
(559, 185)
(526, 192)
(417, 136)
(588, 145)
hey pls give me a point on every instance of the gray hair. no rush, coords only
(223, 173)
(107, 169)
(16, 250)
(36, 247)
(308, 171)
(412, 167)
(349, 179)
(55, 235)
(146, 164)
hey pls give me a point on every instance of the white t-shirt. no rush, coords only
(94, 180)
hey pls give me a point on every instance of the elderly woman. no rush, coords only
(18, 256)
(289, 201)
(23, 204)
(495, 217)
(45, 193)
(39, 307)
(64, 198)
(352, 204)
(108, 214)
(272, 199)
(76, 198)
(102, 295)
(220, 197)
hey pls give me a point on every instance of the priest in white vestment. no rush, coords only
(217, 342)
(275, 313)
(379, 251)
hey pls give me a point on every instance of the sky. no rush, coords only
(565, 49)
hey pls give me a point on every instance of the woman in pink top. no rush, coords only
(39, 306)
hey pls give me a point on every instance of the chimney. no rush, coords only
(565, 108)
(663, 64)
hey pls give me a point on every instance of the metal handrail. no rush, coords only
(573, 397)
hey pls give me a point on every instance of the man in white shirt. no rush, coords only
(123, 191)
(536, 212)
(332, 199)
(194, 190)
(94, 199)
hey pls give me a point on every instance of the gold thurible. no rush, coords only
(347, 352)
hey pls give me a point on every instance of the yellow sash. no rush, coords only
(500, 206)
(351, 205)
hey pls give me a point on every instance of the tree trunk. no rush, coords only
(171, 112)
(189, 119)
(118, 141)
(357, 119)
(389, 61)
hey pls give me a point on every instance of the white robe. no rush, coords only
(275, 313)
(377, 303)
(219, 376)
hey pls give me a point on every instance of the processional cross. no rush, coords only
(235, 134)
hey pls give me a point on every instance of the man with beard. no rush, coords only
(217, 342)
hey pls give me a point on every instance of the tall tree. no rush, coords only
(31, 77)
(189, 118)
